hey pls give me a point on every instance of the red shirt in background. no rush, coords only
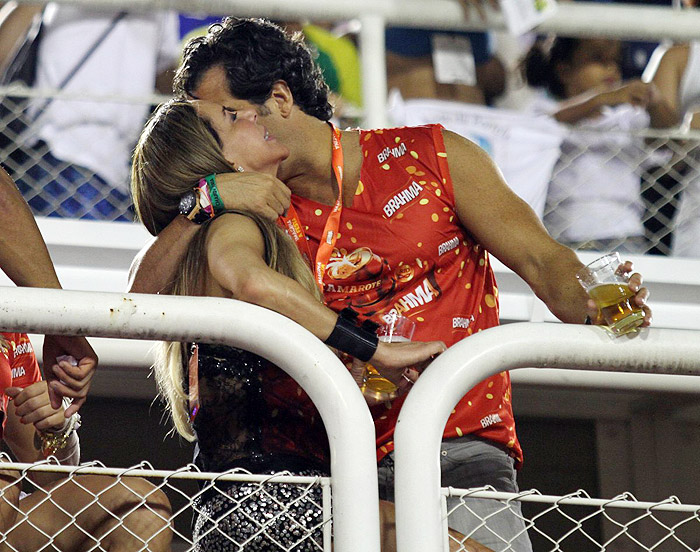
(18, 366)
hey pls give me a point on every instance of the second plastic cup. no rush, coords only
(374, 385)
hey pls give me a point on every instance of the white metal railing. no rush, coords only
(423, 417)
(570, 19)
(295, 350)
(581, 18)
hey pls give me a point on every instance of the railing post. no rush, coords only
(277, 338)
(428, 406)
(373, 62)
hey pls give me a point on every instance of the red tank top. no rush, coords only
(402, 248)
(18, 366)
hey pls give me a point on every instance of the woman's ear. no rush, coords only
(282, 97)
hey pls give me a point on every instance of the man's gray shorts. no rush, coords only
(468, 462)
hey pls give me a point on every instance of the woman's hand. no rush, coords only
(392, 358)
(33, 406)
(634, 92)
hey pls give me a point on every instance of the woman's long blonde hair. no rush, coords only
(176, 149)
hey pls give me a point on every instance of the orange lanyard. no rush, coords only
(292, 224)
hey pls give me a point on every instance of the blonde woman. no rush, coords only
(246, 412)
(83, 512)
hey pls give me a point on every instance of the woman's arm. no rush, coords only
(236, 249)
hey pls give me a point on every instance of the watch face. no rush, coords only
(187, 203)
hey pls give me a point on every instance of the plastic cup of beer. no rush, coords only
(374, 385)
(608, 285)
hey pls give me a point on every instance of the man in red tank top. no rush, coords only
(415, 211)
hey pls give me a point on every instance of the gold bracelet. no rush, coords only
(53, 441)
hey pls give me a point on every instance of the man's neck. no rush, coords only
(308, 171)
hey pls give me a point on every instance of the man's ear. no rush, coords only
(282, 97)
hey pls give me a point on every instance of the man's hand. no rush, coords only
(65, 379)
(33, 406)
(258, 193)
(641, 294)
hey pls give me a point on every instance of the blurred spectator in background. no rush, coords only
(676, 73)
(339, 60)
(459, 66)
(84, 147)
(594, 198)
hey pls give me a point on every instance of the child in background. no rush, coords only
(594, 198)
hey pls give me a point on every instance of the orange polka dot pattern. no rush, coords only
(403, 250)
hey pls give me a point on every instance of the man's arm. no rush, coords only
(507, 227)
(25, 259)
(155, 266)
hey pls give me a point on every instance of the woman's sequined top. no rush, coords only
(253, 415)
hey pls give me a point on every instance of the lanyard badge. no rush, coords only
(292, 225)
(193, 379)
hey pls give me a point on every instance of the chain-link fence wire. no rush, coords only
(579, 523)
(632, 191)
(53, 186)
(273, 513)
(101, 506)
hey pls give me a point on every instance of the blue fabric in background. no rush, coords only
(411, 42)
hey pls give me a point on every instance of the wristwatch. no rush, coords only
(191, 208)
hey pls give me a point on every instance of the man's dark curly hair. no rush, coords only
(255, 54)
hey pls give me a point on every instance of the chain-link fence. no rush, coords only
(635, 191)
(629, 191)
(91, 507)
(579, 522)
(143, 509)
(53, 185)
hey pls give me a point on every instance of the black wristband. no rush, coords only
(350, 338)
